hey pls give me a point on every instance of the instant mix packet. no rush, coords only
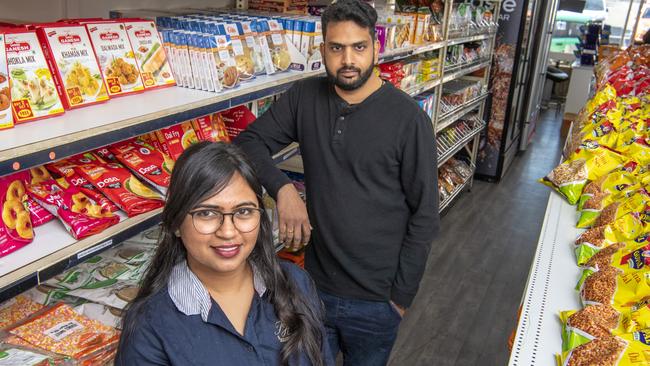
(149, 54)
(6, 117)
(116, 58)
(33, 91)
(70, 55)
(149, 164)
(622, 350)
(16, 229)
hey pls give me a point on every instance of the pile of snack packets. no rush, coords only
(93, 191)
(607, 174)
(74, 318)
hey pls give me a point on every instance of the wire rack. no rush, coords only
(455, 137)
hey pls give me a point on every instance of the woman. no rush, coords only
(215, 293)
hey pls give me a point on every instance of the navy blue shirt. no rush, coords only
(181, 326)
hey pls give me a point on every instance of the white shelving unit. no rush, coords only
(550, 288)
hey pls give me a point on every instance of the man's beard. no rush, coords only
(346, 85)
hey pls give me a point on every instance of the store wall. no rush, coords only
(41, 11)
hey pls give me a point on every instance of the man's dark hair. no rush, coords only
(357, 11)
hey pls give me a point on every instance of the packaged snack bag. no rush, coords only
(590, 162)
(582, 326)
(219, 130)
(61, 330)
(65, 169)
(203, 128)
(27, 355)
(609, 286)
(6, 118)
(33, 92)
(149, 164)
(120, 186)
(16, 230)
(37, 213)
(617, 209)
(116, 58)
(80, 215)
(149, 54)
(71, 58)
(177, 138)
(16, 309)
(624, 350)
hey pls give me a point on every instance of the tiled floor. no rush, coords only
(467, 304)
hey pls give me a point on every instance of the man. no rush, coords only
(370, 172)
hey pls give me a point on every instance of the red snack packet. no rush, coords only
(177, 138)
(37, 213)
(149, 164)
(65, 169)
(237, 119)
(203, 128)
(80, 215)
(220, 133)
(120, 186)
(16, 229)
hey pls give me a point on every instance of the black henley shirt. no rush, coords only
(371, 177)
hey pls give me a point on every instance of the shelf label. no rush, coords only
(94, 249)
(62, 330)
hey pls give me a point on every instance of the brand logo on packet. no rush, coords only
(152, 169)
(17, 47)
(143, 34)
(642, 337)
(144, 151)
(69, 38)
(109, 36)
(110, 182)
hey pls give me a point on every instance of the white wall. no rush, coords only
(50, 10)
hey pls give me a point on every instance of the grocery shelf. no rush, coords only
(452, 116)
(549, 288)
(459, 141)
(409, 51)
(465, 69)
(80, 130)
(54, 250)
(421, 88)
(445, 203)
(473, 38)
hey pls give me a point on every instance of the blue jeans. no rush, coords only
(364, 331)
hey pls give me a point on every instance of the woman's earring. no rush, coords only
(177, 233)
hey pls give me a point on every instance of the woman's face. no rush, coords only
(226, 250)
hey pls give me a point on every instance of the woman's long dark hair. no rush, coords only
(202, 171)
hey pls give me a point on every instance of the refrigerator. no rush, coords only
(516, 81)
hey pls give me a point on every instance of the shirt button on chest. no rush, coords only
(341, 118)
(338, 131)
(249, 348)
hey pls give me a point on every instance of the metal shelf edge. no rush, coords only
(469, 70)
(456, 114)
(462, 143)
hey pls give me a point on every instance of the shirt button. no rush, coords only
(339, 131)
(341, 118)
(249, 348)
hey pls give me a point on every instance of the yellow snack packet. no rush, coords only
(590, 162)
(624, 350)
(582, 326)
(610, 286)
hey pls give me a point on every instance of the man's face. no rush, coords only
(349, 54)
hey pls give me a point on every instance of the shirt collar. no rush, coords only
(191, 297)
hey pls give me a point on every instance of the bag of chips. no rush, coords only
(590, 162)
(149, 164)
(80, 215)
(623, 350)
(610, 286)
(65, 169)
(582, 326)
(120, 186)
(16, 229)
(633, 226)
(16, 309)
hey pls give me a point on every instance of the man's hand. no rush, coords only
(294, 226)
(399, 309)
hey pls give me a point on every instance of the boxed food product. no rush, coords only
(71, 58)
(33, 92)
(149, 54)
(6, 118)
(16, 230)
(252, 41)
(277, 44)
(243, 53)
(116, 58)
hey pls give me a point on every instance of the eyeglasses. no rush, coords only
(208, 221)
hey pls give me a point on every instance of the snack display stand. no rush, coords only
(32, 144)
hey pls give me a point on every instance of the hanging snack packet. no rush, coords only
(80, 215)
(65, 169)
(120, 186)
(16, 309)
(582, 326)
(16, 228)
(61, 330)
(624, 350)
(590, 162)
(149, 164)
(609, 286)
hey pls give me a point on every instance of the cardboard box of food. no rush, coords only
(149, 54)
(6, 118)
(71, 58)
